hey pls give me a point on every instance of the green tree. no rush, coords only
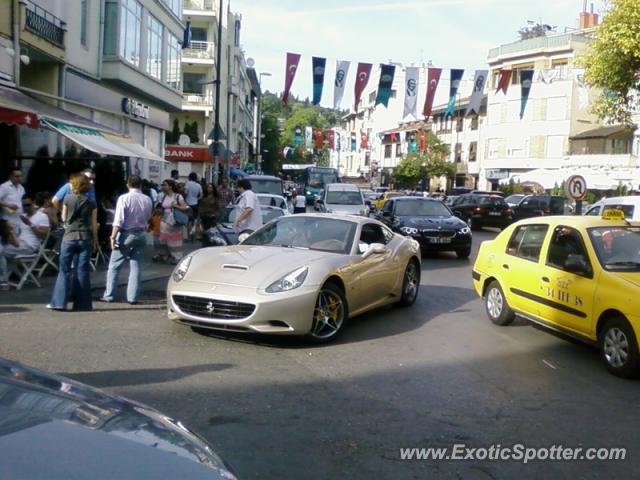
(301, 116)
(613, 61)
(173, 135)
(418, 167)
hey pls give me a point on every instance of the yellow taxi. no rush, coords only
(579, 275)
(386, 196)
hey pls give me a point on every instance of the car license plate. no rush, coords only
(439, 240)
(495, 214)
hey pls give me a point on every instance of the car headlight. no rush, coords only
(464, 231)
(409, 230)
(181, 269)
(308, 193)
(290, 281)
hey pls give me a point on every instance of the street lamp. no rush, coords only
(259, 136)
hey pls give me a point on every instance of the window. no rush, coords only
(111, 30)
(193, 82)
(526, 242)
(459, 124)
(173, 62)
(175, 6)
(236, 36)
(83, 22)
(387, 151)
(473, 151)
(565, 242)
(154, 48)
(517, 69)
(474, 122)
(130, 28)
(458, 152)
(398, 150)
(372, 233)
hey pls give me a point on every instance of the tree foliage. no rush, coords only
(613, 61)
(419, 167)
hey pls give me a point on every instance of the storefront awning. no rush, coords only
(18, 117)
(135, 149)
(87, 137)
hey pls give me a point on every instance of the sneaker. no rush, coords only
(51, 307)
(105, 300)
(4, 286)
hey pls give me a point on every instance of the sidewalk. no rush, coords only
(150, 271)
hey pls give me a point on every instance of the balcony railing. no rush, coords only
(553, 42)
(206, 5)
(197, 100)
(199, 49)
(44, 24)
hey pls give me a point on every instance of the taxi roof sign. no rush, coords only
(613, 214)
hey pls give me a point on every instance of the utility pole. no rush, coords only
(216, 125)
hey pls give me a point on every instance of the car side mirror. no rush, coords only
(374, 249)
(576, 263)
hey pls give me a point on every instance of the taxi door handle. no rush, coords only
(545, 279)
(505, 266)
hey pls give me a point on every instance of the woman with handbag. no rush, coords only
(173, 222)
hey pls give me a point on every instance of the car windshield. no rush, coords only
(344, 198)
(272, 201)
(514, 199)
(269, 213)
(617, 248)
(493, 201)
(313, 233)
(421, 208)
(272, 187)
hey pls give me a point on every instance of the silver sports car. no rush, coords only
(298, 275)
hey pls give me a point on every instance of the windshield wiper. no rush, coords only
(293, 246)
(627, 263)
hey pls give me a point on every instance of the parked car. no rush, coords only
(482, 210)
(303, 274)
(576, 274)
(630, 205)
(429, 222)
(539, 205)
(369, 197)
(386, 196)
(515, 199)
(54, 427)
(342, 198)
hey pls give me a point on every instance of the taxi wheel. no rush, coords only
(619, 348)
(329, 315)
(495, 302)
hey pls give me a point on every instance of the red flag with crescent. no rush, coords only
(433, 78)
(331, 135)
(422, 141)
(504, 81)
(364, 140)
(362, 78)
(319, 138)
(393, 137)
(293, 59)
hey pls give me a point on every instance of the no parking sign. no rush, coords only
(576, 187)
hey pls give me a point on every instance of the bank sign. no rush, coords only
(186, 154)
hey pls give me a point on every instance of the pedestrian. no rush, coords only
(11, 193)
(43, 203)
(250, 216)
(175, 175)
(171, 233)
(193, 194)
(79, 215)
(130, 222)
(299, 203)
(210, 207)
(225, 193)
(7, 238)
(65, 190)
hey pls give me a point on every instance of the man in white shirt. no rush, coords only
(11, 193)
(250, 217)
(192, 195)
(299, 203)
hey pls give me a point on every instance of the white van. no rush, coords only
(343, 198)
(629, 204)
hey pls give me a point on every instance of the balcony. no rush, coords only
(201, 5)
(43, 24)
(198, 101)
(198, 50)
(538, 44)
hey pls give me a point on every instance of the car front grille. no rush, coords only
(212, 308)
(439, 233)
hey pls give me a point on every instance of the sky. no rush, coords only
(449, 33)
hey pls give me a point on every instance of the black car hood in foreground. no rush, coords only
(52, 427)
(445, 223)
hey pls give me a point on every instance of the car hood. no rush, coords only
(251, 265)
(632, 277)
(432, 222)
(54, 427)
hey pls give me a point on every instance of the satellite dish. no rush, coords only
(184, 140)
(250, 62)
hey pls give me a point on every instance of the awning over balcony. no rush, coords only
(604, 132)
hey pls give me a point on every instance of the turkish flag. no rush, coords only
(433, 78)
(331, 135)
(293, 59)
(319, 138)
(364, 140)
(362, 78)
(18, 117)
(422, 139)
(393, 137)
(505, 80)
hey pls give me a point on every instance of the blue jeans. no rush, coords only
(78, 253)
(132, 245)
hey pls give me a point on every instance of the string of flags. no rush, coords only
(411, 85)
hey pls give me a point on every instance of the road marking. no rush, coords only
(548, 364)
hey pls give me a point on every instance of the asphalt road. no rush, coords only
(436, 374)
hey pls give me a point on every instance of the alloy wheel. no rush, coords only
(411, 280)
(616, 347)
(495, 303)
(328, 314)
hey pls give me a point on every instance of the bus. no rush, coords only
(314, 180)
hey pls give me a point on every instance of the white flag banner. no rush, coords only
(549, 75)
(411, 81)
(478, 91)
(308, 138)
(342, 69)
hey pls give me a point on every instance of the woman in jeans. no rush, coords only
(171, 235)
(79, 215)
(209, 207)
